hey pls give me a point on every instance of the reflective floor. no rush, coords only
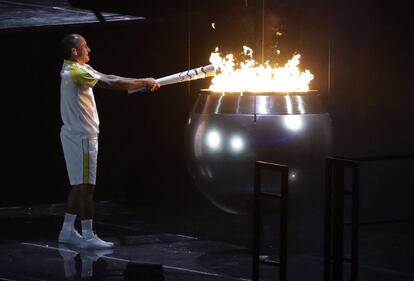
(201, 244)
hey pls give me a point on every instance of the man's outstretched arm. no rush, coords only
(114, 82)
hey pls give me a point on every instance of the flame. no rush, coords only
(249, 76)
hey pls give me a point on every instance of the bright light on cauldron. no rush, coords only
(249, 76)
(293, 122)
(213, 140)
(236, 144)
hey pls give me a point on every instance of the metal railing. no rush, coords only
(334, 219)
(257, 218)
(334, 213)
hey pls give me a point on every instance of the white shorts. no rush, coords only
(81, 155)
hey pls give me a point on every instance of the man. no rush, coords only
(79, 135)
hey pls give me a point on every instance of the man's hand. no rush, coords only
(151, 84)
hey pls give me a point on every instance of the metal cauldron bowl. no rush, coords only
(227, 132)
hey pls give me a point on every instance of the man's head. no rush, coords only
(74, 47)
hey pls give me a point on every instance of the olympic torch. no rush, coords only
(192, 74)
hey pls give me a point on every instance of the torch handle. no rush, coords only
(192, 74)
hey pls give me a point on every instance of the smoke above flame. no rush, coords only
(249, 76)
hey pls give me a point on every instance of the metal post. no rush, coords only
(328, 221)
(355, 223)
(338, 222)
(334, 219)
(283, 224)
(257, 221)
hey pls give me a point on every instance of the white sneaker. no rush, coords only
(95, 242)
(70, 237)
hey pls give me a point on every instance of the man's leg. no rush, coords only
(72, 151)
(72, 209)
(73, 204)
(68, 234)
(86, 206)
(90, 239)
(79, 203)
(86, 203)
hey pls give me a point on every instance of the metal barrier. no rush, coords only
(334, 213)
(334, 219)
(257, 221)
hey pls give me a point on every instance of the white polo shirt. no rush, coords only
(77, 102)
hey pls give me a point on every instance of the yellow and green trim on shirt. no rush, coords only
(79, 74)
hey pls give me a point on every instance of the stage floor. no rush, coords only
(199, 244)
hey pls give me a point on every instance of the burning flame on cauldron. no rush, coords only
(249, 76)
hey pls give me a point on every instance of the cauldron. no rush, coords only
(227, 132)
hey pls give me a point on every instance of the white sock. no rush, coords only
(87, 228)
(69, 222)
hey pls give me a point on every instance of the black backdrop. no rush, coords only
(360, 54)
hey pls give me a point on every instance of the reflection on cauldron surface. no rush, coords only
(227, 133)
(293, 122)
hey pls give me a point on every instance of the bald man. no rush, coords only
(79, 135)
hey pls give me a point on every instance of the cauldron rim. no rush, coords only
(310, 92)
(253, 103)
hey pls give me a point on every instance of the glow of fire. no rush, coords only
(249, 76)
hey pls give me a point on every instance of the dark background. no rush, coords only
(359, 51)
